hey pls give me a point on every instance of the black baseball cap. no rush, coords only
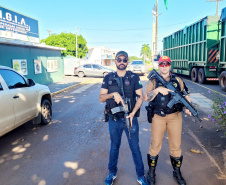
(122, 53)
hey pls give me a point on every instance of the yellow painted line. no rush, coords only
(205, 87)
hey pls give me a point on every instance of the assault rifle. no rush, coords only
(125, 108)
(177, 97)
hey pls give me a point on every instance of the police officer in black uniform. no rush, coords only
(111, 93)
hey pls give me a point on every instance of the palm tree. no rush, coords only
(145, 51)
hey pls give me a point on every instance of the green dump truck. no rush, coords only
(199, 50)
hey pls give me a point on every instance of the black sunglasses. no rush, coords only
(120, 60)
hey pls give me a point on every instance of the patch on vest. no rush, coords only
(174, 84)
(127, 82)
(140, 83)
(110, 82)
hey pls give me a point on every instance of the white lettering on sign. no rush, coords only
(18, 26)
(15, 25)
(15, 19)
(8, 16)
(23, 22)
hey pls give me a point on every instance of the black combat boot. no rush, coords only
(152, 163)
(176, 163)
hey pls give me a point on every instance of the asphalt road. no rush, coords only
(74, 148)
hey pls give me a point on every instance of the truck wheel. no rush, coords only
(81, 74)
(201, 76)
(46, 112)
(194, 74)
(222, 81)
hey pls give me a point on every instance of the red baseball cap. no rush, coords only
(164, 58)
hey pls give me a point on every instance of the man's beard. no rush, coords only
(121, 68)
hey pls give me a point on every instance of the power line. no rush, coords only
(132, 29)
(118, 42)
(114, 30)
(160, 36)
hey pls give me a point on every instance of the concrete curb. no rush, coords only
(68, 88)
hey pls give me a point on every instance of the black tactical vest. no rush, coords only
(129, 88)
(160, 101)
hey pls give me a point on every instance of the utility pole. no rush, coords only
(49, 32)
(217, 3)
(153, 31)
(76, 43)
(156, 29)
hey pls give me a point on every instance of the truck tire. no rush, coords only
(201, 76)
(222, 81)
(81, 74)
(194, 74)
(46, 112)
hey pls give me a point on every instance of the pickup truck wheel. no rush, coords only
(222, 81)
(201, 76)
(46, 112)
(81, 74)
(194, 74)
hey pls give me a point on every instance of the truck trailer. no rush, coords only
(199, 50)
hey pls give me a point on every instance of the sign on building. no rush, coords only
(38, 66)
(52, 66)
(20, 65)
(17, 26)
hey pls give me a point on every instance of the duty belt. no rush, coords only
(163, 112)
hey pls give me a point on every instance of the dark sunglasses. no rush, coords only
(167, 64)
(120, 60)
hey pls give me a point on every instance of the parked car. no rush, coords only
(137, 66)
(92, 70)
(22, 100)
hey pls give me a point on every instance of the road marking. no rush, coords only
(204, 87)
(204, 103)
(82, 88)
(222, 176)
(68, 88)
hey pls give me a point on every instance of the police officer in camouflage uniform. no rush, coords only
(111, 94)
(165, 119)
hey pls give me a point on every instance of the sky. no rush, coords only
(117, 24)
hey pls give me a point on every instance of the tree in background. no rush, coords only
(68, 41)
(146, 52)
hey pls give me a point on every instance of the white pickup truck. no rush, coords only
(137, 66)
(22, 100)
